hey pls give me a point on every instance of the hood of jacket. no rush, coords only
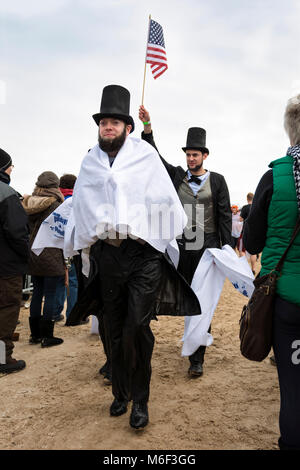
(37, 204)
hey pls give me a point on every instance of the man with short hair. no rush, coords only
(14, 252)
(197, 189)
(130, 275)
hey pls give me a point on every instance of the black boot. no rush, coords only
(196, 360)
(34, 325)
(118, 407)
(139, 417)
(47, 327)
(12, 365)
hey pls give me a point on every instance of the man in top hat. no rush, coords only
(130, 278)
(14, 252)
(197, 187)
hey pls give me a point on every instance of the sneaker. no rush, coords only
(12, 365)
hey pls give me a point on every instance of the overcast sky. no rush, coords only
(232, 67)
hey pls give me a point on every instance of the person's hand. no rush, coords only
(145, 118)
(144, 114)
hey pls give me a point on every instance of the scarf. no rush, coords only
(66, 192)
(294, 152)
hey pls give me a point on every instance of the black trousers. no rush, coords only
(188, 262)
(10, 301)
(130, 277)
(286, 346)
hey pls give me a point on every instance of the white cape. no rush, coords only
(134, 197)
(213, 268)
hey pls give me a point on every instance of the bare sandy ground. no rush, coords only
(60, 401)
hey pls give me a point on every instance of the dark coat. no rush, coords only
(14, 234)
(175, 296)
(51, 261)
(220, 194)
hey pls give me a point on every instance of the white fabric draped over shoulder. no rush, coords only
(134, 197)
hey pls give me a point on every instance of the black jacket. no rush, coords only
(14, 234)
(220, 194)
(175, 296)
(256, 224)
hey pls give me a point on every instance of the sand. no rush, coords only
(60, 401)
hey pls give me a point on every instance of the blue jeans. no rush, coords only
(61, 293)
(44, 286)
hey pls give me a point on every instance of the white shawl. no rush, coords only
(134, 197)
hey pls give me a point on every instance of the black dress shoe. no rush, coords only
(59, 318)
(104, 369)
(139, 415)
(118, 408)
(196, 369)
(273, 361)
(107, 378)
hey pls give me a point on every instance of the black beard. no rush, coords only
(196, 168)
(113, 145)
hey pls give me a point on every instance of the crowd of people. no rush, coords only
(131, 278)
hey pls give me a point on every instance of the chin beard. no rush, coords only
(196, 168)
(113, 145)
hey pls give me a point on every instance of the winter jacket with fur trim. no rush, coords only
(51, 261)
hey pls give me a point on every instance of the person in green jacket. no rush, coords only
(269, 227)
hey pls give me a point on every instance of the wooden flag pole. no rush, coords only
(146, 61)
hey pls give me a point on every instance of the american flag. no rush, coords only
(156, 54)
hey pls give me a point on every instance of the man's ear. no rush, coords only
(128, 129)
(205, 155)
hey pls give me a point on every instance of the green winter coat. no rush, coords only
(282, 216)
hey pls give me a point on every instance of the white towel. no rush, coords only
(134, 197)
(215, 265)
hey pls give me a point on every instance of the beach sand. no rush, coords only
(60, 401)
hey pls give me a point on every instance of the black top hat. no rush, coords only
(196, 139)
(115, 103)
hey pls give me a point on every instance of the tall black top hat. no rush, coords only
(196, 139)
(115, 103)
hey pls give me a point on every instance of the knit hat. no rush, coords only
(48, 179)
(5, 160)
